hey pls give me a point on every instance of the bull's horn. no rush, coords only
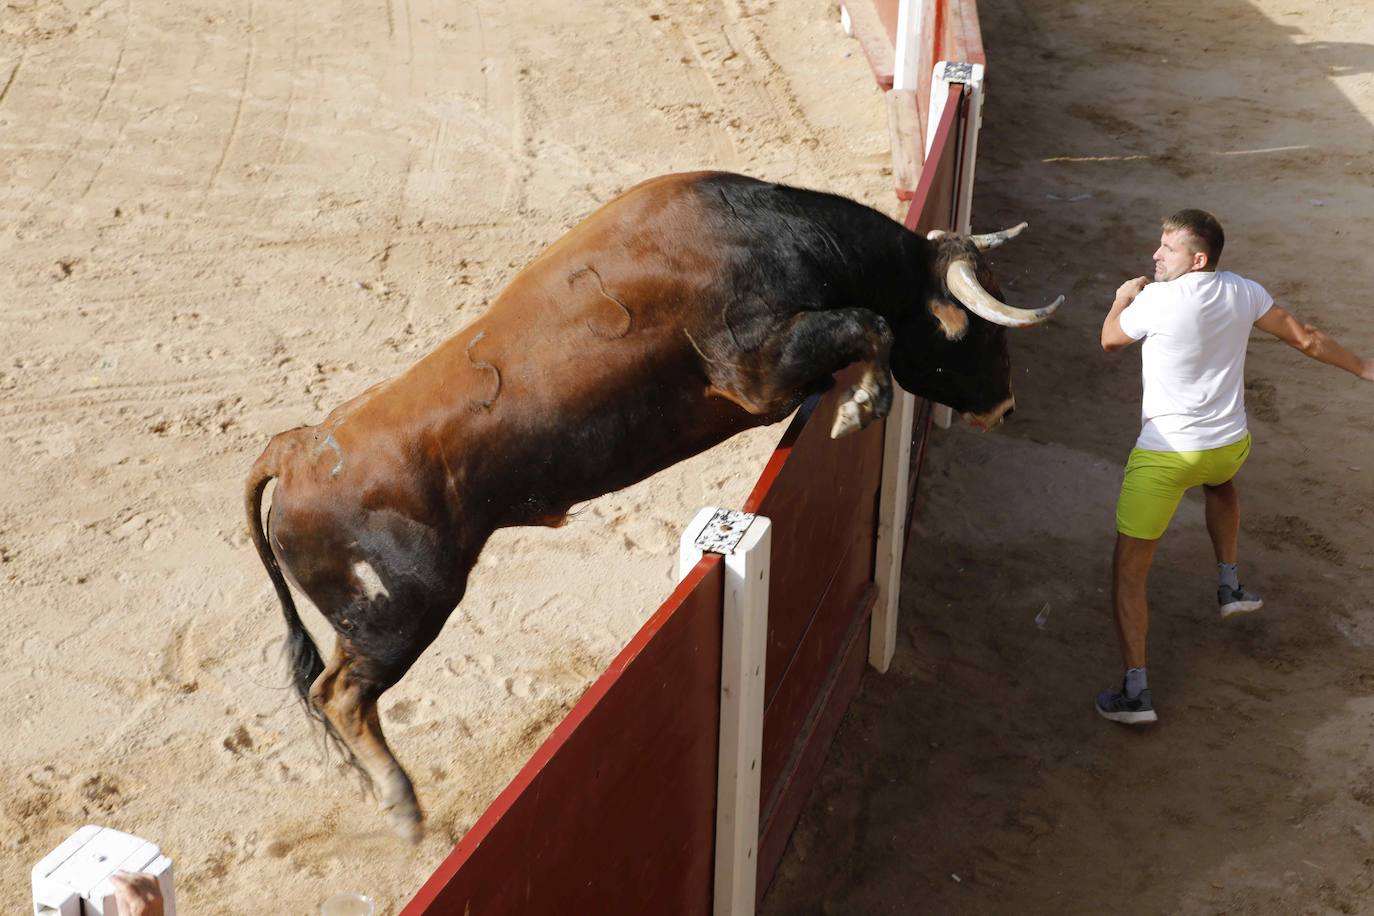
(986, 240)
(963, 283)
(993, 239)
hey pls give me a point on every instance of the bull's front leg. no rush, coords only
(829, 341)
(812, 346)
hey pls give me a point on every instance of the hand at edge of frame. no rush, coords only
(137, 894)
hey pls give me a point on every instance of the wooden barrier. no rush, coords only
(616, 811)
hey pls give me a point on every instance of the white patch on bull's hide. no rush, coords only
(370, 581)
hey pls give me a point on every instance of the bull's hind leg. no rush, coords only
(386, 583)
(347, 693)
(815, 345)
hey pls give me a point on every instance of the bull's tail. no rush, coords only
(305, 662)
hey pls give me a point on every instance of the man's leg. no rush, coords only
(1223, 520)
(1223, 525)
(1131, 704)
(1130, 571)
(1150, 492)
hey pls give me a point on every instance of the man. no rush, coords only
(1195, 322)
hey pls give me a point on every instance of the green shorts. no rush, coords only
(1156, 481)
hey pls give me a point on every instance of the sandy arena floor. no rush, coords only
(218, 221)
(976, 778)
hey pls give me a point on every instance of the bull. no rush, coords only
(688, 309)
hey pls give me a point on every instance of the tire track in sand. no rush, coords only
(752, 92)
(238, 108)
(9, 81)
(99, 109)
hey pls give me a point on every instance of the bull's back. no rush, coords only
(586, 373)
(581, 377)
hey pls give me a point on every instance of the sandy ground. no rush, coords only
(218, 221)
(975, 777)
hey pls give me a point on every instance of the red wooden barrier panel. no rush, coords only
(615, 813)
(874, 24)
(932, 206)
(961, 37)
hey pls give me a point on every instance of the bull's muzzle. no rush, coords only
(991, 419)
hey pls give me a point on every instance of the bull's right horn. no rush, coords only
(963, 283)
(993, 239)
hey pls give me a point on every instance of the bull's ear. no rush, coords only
(953, 319)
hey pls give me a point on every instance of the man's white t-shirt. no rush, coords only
(1193, 361)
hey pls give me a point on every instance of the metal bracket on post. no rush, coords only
(971, 76)
(745, 540)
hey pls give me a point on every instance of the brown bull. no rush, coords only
(688, 309)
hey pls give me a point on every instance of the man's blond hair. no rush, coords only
(1204, 228)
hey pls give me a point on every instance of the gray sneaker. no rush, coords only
(1115, 705)
(1237, 601)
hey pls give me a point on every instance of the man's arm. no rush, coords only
(1113, 338)
(1313, 342)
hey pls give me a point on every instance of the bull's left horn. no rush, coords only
(993, 239)
(963, 283)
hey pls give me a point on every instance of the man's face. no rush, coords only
(1176, 255)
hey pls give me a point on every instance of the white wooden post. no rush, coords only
(74, 878)
(745, 540)
(892, 500)
(971, 75)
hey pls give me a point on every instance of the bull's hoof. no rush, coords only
(854, 414)
(408, 824)
(846, 421)
(401, 808)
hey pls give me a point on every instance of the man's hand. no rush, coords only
(1113, 338)
(1367, 369)
(1130, 289)
(136, 895)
